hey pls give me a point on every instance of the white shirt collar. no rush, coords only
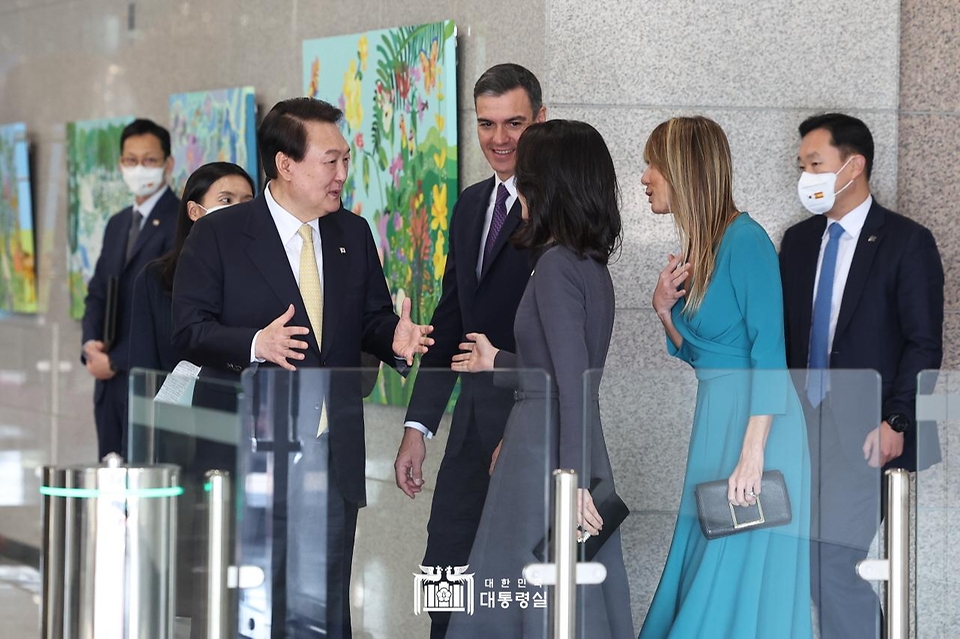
(510, 183)
(286, 222)
(853, 221)
(147, 206)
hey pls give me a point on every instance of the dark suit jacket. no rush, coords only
(151, 342)
(468, 305)
(155, 239)
(891, 315)
(233, 279)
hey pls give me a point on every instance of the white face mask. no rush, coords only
(816, 190)
(141, 180)
(207, 211)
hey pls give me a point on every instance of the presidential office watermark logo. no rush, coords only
(451, 589)
(439, 589)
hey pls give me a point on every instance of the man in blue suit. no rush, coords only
(483, 281)
(863, 290)
(134, 236)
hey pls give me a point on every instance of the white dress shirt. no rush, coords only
(511, 184)
(852, 224)
(146, 208)
(288, 228)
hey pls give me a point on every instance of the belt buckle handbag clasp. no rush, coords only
(738, 525)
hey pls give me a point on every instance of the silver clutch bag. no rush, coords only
(720, 518)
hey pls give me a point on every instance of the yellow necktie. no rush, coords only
(312, 294)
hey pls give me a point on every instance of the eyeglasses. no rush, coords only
(151, 163)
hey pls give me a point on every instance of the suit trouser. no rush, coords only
(846, 513)
(458, 499)
(110, 414)
(341, 536)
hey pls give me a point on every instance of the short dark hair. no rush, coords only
(847, 133)
(142, 126)
(566, 174)
(282, 131)
(194, 190)
(502, 78)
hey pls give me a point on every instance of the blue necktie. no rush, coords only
(820, 330)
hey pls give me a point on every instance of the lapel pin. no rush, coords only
(156, 222)
(343, 251)
(872, 238)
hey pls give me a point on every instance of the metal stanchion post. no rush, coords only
(217, 485)
(895, 569)
(565, 554)
(898, 554)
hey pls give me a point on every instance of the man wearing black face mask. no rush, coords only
(862, 290)
(136, 235)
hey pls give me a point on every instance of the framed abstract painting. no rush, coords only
(398, 91)
(95, 191)
(18, 271)
(212, 126)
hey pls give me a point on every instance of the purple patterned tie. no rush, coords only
(499, 217)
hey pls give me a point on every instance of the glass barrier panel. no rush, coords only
(665, 445)
(194, 422)
(22, 455)
(29, 432)
(327, 491)
(937, 504)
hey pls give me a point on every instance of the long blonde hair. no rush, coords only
(693, 156)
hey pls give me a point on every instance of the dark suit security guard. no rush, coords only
(863, 290)
(291, 279)
(134, 236)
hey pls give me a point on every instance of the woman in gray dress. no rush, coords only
(568, 189)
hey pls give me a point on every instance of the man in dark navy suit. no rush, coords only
(291, 279)
(863, 290)
(134, 236)
(484, 278)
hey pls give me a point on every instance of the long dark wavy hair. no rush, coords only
(565, 173)
(194, 191)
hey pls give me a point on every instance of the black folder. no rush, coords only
(110, 316)
(612, 510)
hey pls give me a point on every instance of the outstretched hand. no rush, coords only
(410, 339)
(478, 355)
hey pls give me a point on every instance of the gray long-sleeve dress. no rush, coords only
(563, 327)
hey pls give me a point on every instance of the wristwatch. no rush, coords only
(898, 422)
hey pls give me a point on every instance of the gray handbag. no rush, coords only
(720, 518)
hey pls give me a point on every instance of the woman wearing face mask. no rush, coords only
(568, 189)
(721, 307)
(211, 187)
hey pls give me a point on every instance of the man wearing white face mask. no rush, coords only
(136, 235)
(863, 290)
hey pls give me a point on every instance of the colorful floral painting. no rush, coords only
(18, 274)
(212, 126)
(398, 91)
(95, 191)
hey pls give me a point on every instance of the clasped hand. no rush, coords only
(97, 360)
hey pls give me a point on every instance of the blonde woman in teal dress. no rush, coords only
(722, 309)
